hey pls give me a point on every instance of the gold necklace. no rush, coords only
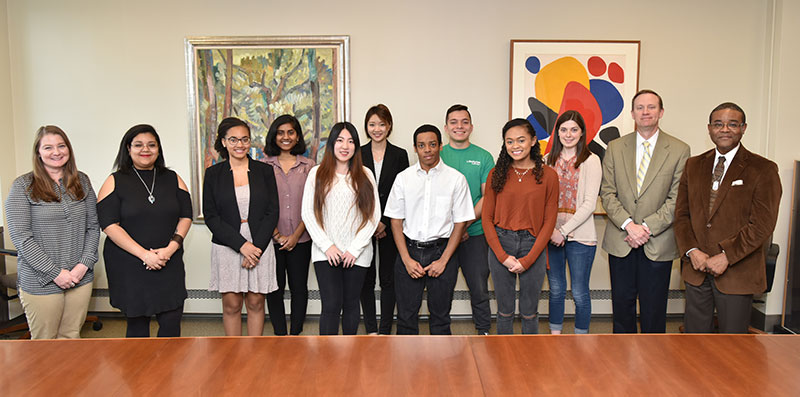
(519, 176)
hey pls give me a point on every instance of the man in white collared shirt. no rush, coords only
(429, 205)
(641, 172)
(726, 211)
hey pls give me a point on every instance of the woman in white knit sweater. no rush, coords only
(341, 212)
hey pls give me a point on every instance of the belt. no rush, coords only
(244, 220)
(426, 244)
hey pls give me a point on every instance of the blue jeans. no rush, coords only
(518, 244)
(580, 258)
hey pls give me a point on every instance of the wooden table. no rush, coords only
(725, 365)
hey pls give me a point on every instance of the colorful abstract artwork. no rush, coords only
(595, 78)
(258, 79)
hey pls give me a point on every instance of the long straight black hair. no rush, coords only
(365, 196)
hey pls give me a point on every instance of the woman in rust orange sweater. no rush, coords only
(519, 213)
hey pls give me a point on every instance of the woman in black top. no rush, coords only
(240, 205)
(385, 161)
(146, 211)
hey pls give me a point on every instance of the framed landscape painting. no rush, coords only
(258, 79)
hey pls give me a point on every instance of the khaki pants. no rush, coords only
(57, 316)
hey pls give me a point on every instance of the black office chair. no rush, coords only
(19, 323)
(7, 282)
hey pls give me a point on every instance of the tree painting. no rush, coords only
(259, 84)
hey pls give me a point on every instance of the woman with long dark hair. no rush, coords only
(574, 239)
(517, 230)
(145, 210)
(341, 211)
(285, 149)
(240, 206)
(53, 223)
(385, 161)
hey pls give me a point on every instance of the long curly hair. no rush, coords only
(504, 160)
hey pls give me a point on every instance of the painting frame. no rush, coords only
(331, 72)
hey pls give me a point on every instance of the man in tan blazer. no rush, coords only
(641, 172)
(726, 211)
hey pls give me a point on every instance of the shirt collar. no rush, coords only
(653, 139)
(728, 156)
(435, 170)
(299, 160)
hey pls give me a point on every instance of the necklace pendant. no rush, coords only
(151, 199)
(519, 180)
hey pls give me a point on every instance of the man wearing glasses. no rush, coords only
(726, 210)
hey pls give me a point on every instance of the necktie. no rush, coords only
(643, 167)
(719, 169)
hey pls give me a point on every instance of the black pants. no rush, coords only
(409, 292)
(169, 324)
(387, 253)
(637, 276)
(295, 263)
(339, 289)
(472, 258)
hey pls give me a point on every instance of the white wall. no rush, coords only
(7, 164)
(97, 67)
(782, 137)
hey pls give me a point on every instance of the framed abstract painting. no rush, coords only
(595, 78)
(258, 79)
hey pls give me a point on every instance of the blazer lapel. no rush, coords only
(389, 160)
(366, 156)
(629, 160)
(704, 181)
(250, 176)
(660, 154)
(734, 170)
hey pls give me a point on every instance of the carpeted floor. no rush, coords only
(195, 325)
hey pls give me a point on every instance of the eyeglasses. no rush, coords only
(139, 146)
(234, 140)
(734, 125)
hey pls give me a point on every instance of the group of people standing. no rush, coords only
(524, 218)
(54, 220)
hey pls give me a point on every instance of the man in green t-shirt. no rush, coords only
(474, 163)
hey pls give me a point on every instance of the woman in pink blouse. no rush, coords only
(574, 239)
(285, 147)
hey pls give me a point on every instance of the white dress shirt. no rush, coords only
(728, 159)
(639, 155)
(640, 148)
(430, 203)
